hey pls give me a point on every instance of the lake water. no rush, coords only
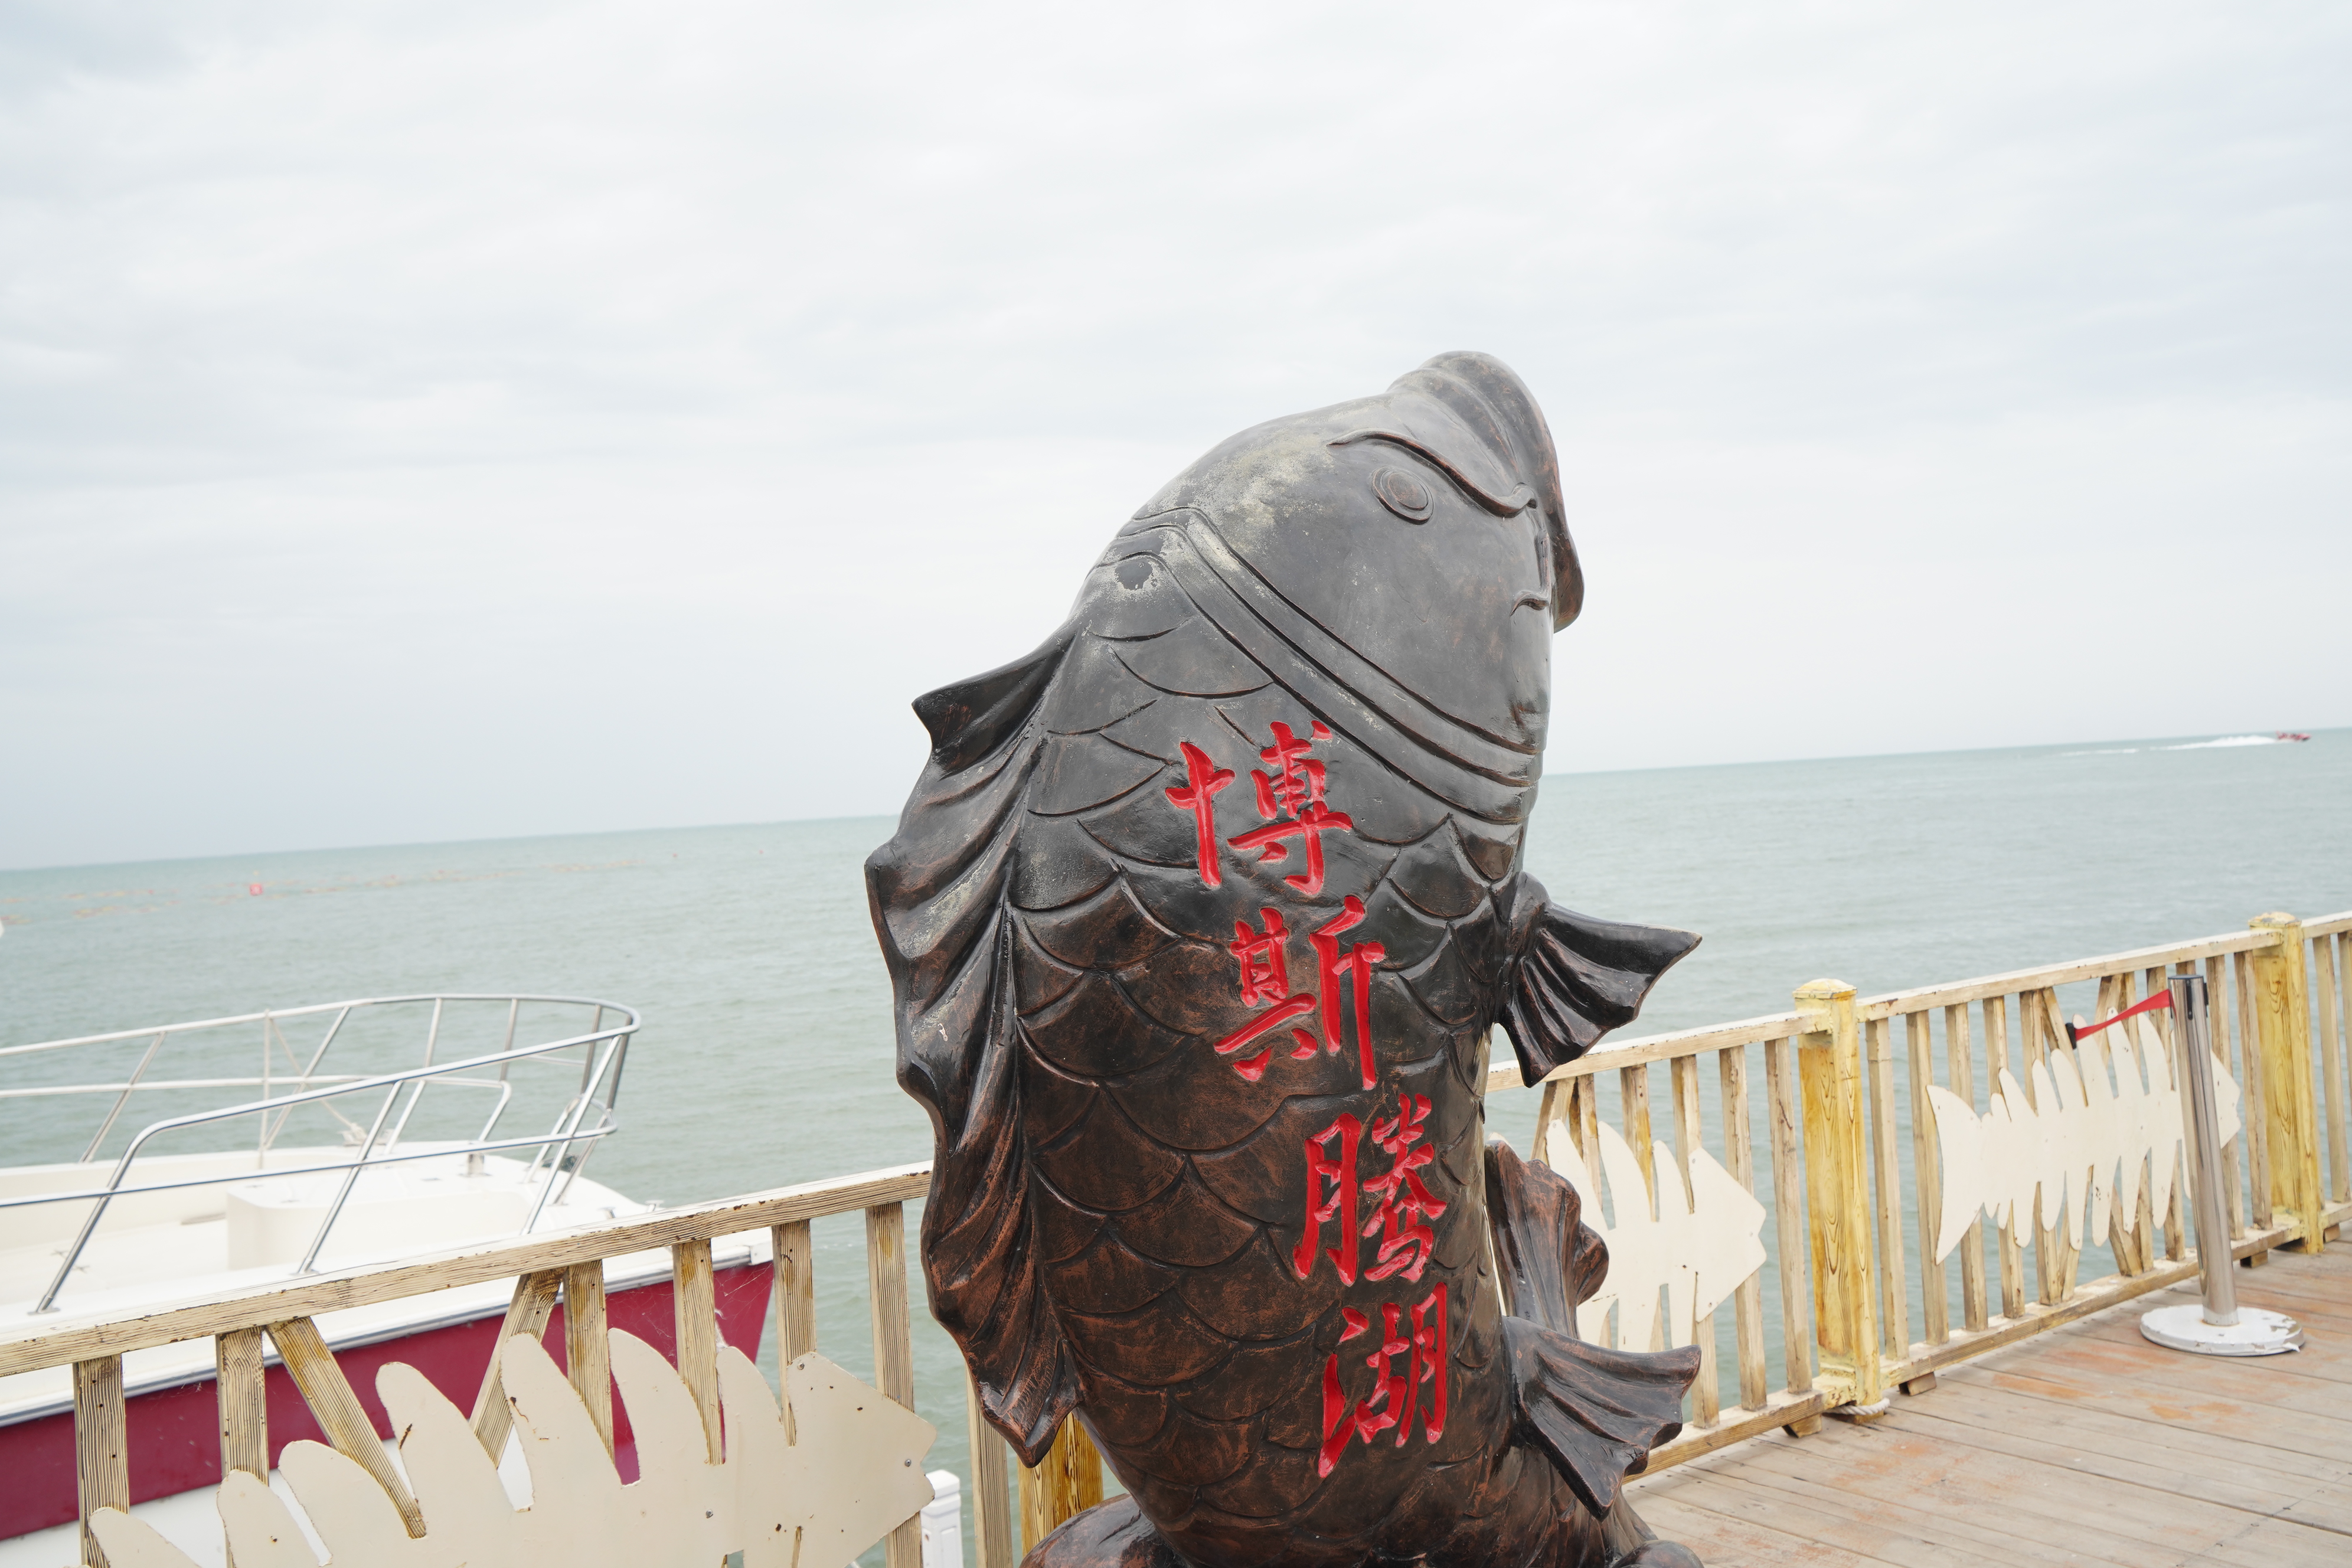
(766, 1051)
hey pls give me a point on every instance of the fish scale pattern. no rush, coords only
(1169, 1189)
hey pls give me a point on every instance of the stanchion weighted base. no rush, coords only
(2256, 1332)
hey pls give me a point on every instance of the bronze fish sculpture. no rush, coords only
(1198, 922)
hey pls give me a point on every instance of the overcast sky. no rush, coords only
(435, 421)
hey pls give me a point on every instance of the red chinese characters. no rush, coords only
(1265, 979)
(1291, 800)
(1405, 1207)
(1291, 795)
(1203, 779)
(1395, 1400)
(1330, 1195)
(1408, 1355)
(1339, 969)
(1369, 1228)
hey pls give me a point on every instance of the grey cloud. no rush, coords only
(508, 374)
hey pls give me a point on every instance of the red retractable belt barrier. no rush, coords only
(2161, 999)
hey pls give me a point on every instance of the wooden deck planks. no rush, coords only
(2084, 1446)
(1891, 1534)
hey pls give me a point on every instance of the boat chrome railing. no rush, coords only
(563, 1149)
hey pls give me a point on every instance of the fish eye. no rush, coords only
(1403, 494)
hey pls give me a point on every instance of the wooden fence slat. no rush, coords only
(528, 1311)
(2070, 1251)
(587, 1353)
(1633, 1097)
(894, 1355)
(2148, 1225)
(1551, 1110)
(2331, 1072)
(1796, 1320)
(2253, 1111)
(2176, 1209)
(1959, 1065)
(2217, 1001)
(1928, 1182)
(992, 1507)
(2012, 1252)
(2130, 1245)
(694, 1304)
(1739, 1156)
(101, 1446)
(339, 1411)
(885, 1266)
(243, 1398)
(2047, 1287)
(1584, 1120)
(1706, 1388)
(796, 1299)
(2162, 1024)
(1887, 1173)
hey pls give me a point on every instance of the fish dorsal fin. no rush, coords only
(969, 719)
(1595, 1413)
(1576, 978)
(939, 892)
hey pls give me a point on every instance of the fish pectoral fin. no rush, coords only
(1595, 1413)
(1576, 978)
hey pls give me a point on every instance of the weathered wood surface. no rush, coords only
(32, 1343)
(2086, 1445)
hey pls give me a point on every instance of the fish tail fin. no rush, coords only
(1575, 978)
(1595, 1413)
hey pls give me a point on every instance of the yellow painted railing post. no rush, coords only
(2283, 1025)
(1066, 1481)
(1837, 1196)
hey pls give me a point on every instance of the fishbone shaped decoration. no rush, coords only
(1699, 1243)
(2079, 1139)
(855, 1472)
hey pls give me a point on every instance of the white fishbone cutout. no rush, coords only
(2088, 1138)
(855, 1473)
(1699, 1243)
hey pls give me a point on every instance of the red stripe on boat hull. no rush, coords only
(176, 1432)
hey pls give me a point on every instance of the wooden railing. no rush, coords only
(566, 1267)
(1865, 1305)
(1852, 1271)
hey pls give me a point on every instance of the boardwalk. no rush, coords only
(2084, 1446)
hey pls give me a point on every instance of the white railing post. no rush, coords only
(942, 1520)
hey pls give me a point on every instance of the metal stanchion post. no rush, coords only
(2218, 1325)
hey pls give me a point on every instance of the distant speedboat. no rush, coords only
(2290, 735)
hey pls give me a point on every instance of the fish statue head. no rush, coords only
(1421, 529)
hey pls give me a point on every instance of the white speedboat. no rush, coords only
(257, 1177)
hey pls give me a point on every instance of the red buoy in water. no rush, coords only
(254, 890)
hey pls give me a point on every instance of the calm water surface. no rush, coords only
(766, 1052)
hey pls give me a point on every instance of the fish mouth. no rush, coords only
(1533, 602)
